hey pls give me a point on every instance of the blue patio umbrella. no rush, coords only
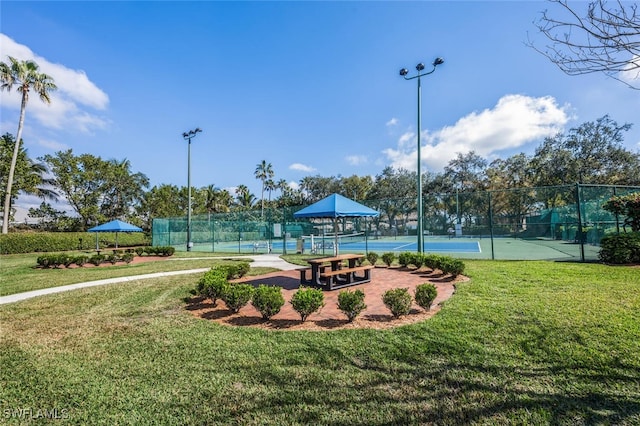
(114, 226)
(336, 206)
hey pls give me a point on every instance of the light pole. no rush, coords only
(403, 73)
(188, 136)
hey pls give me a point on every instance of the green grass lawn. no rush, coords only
(521, 343)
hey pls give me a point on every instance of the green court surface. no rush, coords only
(503, 248)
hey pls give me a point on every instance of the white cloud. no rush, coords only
(392, 122)
(632, 76)
(302, 168)
(514, 121)
(356, 160)
(75, 93)
(52, 145)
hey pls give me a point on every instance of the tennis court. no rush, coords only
(465, 247)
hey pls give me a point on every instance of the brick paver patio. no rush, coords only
(330, 317)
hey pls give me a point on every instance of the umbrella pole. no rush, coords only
(335, 236)
(116, 240)
(97, 246)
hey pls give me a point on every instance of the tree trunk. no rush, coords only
(12, 169)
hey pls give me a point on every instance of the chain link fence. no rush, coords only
(560, 222)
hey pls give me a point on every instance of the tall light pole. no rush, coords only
(403, 73)
(188, 136)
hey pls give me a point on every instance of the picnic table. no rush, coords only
(332, 273)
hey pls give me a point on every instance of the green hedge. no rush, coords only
(42, 242)
(620, 248)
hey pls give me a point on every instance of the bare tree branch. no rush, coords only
(605, 40)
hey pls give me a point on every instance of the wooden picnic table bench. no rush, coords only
(339, 275)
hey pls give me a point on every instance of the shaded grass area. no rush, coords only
(19, 272)
(522, 342)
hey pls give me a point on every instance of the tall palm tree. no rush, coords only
(263, 172)
(29, 177)
(244, 197)
(25, 75)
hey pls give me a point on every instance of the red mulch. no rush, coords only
(376, 315)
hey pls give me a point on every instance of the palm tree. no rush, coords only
(244, 197)
(25, 75)
(263, 172)
(29, 176)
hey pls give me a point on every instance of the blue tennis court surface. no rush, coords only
(374, 245)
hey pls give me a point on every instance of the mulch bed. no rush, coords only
(376, 315)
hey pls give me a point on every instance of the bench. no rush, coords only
(303, 274)
(334, 281)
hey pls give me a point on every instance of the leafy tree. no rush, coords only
(468, 173)
(80, 179)
(96, 189)
(628, 206)
(162, 201)
(512, 173)
(50, 219)
(318, 187)
(591, 154)
(601, 39)
(29, 176)
(24, 75)
(395, 194)
(264, 172)
(123, 190)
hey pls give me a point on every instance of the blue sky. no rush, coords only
(310, 87)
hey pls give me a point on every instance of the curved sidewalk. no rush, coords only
(265, 260)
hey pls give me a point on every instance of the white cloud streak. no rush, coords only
(356, 160)
(301, 168)
(514, 121)
(71, 105)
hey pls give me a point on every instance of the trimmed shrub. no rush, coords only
(388, 258)
(620, 248)
(213, 284)
(112, 258)
(306, 301)
(404, 258)
(127, 258)
(351, 303)
(139, 251)
(267, 300)
(425, 295)
(417, 260)
(81, 260)
(236, 296)
(372, 257)
(433, 261)
(398, 300)
(44, 261)
(67, 260)
(236, 269)
(452, 266)
(96, 259)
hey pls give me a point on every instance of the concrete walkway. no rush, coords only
(263, 260)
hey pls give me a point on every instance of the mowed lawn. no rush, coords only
(521, 343)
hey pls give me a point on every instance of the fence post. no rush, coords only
(493, 256)
(579, 206)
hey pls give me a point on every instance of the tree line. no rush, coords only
(100, 189)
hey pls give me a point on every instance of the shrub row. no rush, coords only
(155, 251)
(620, 248)
(268, 300)
(43, 242)
(446, 264)
(56, 260)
